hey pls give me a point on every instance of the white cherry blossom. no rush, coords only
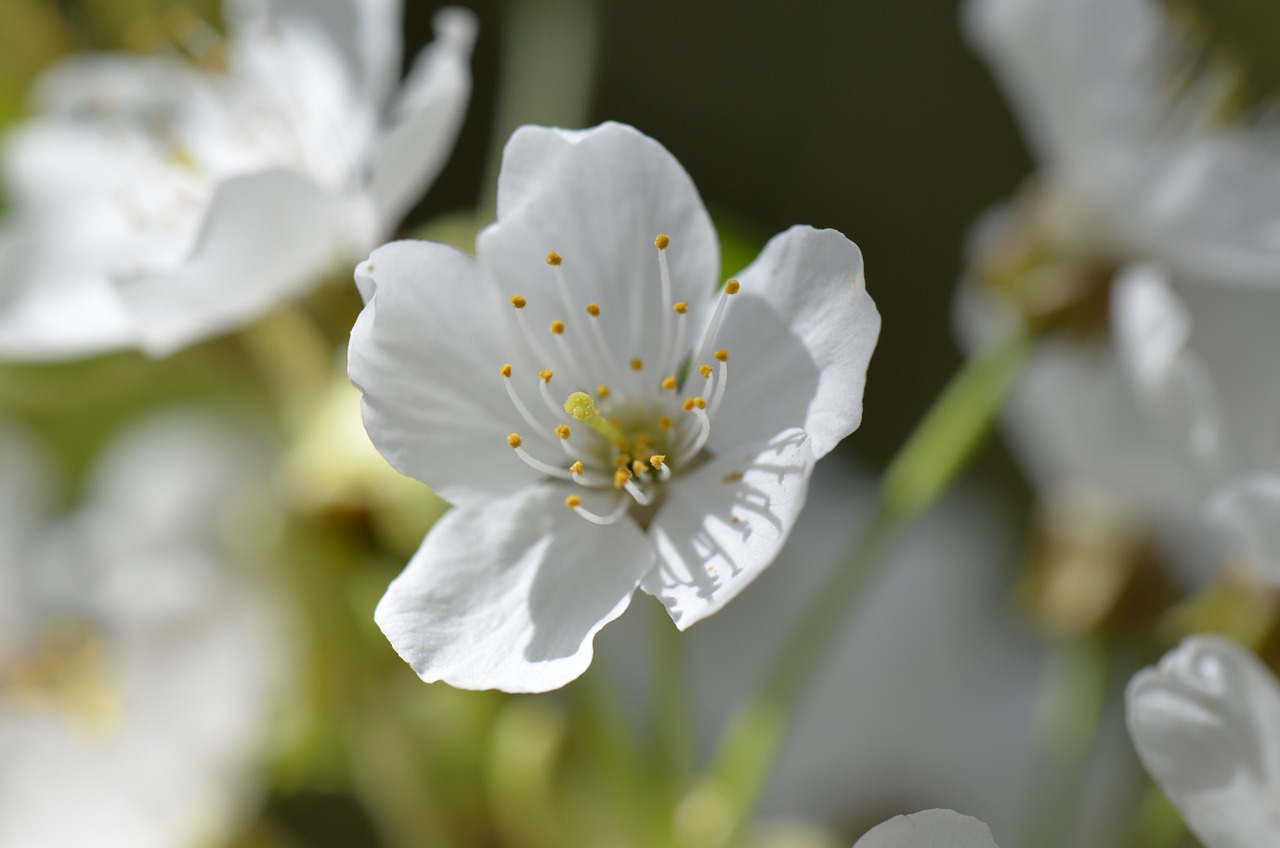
(138, 668)
(158, 201)
(1206, 723)
(569, 390)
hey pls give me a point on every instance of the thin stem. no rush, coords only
(927, 463)
(672, 708)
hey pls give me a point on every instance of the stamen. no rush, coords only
(636, 492)
(563, 431)
(669, 382)
(593, 309)
(662, 242)
(681, 306)
(515, 400)
(547, 400)
(637, 467)
(621, 477)
(659, 463)
(537, 464)
(657, 459)
(573, 502)
(730, 288)
(602, 390)
(722, 382)
(705, 371)
(722, 354)
(612, 518)
(576, 469)
(553, 258)
(505, 370)
(636, 364)
(704, 432)
(518, 302)
(557, 327)
(664, 423)
(546, 375)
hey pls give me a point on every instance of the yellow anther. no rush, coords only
(661, 241)
(602, 390)
(680, 306)
(593, 309)
(573, 502)
(669, 382)
(700, 403)
(722, 354)
(620, 477)
(506, 370)
(637, 468)
(576, 468)
(664, 423)
(514, 440)
(732, 287)
(636, 364)
(687, 405)
(705, 371)
(553, 258)
(518, 302)
(657, 459)
(563, 431)
(557, 327)
(546, 376)
(622, 460)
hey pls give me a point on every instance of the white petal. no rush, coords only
(1206, 724)
(509, 595)
(365, 32)
(53, 318)
(800, 335)
(426, 119)
(96, 84)
(426, 352)
(723, 524)
(598, 197)
(929, 829)
(1246, 511)
(266, 237)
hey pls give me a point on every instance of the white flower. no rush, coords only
(155, 202)
(1206, 724)
(1126, 128)
(610, 452)
(929, 829)
(137, 668)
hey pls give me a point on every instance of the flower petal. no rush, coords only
(1247, 512)
(426, 352)
(426, 120)
(929, 829)
(800, 336)
(724, 523)
(599, 197)
(510, 595)
(1206, 724)
(266, 237)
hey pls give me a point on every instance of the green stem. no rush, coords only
(927, 463)
(672, 707)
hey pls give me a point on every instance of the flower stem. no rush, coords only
(926, 464)
(672, 708)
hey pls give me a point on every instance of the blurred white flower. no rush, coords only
(1138, 171)
(137, 665)
(1206, 723)
(929, 829)
(634, 464)
(1127, 127)
(158, 201)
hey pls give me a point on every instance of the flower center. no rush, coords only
(625, 426)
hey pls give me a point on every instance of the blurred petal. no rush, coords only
(266, 237)
(426, 352)
(800, 336)
(426, 119)
(1206, 724)
(929, 829)
(510, 595)
(1246, 511)
(599, 197)
(725, 523)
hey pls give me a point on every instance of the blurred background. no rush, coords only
(872, 117)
